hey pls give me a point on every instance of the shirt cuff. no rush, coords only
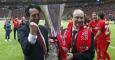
(32, 38)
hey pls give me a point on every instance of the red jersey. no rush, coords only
(101, 26)
(93, 25)
(107, 32)
(64, 41)
(15, 23)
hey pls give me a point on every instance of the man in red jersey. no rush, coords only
(15, 26)
(94, 27)
(103, 37)
(93, 23)
(64, 40)
(107, 39)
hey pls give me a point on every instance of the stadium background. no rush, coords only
(15, 8)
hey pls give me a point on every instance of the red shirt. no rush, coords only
(101, 26)
(92, 25)
(107, 32)
(64, 41)
(15, 23)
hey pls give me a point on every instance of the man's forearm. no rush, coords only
(97, 34)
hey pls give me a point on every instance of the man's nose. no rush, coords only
(79, 19)
(36, 16)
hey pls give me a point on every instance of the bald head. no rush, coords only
(78, 12)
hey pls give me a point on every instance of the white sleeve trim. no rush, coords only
(32, 38)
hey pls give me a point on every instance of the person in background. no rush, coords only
(108, 40)
(15, 27)
(23, 21)
(93, 26)
(7, 27)
(93, 23)
(102, 37)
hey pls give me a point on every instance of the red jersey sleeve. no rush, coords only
(92, 24)
(101, 25)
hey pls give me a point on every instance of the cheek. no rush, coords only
(36, 18)
(79, 23)
(75, 22)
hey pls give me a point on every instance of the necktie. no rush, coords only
(74, 37)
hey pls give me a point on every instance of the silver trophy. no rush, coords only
(49, 17)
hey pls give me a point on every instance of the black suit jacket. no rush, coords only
(31, 52)
(87, 55)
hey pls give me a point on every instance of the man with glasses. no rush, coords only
(82, 39)
(33, 38)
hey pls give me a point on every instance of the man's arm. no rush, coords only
(101, 27)
(23, 33)
(97, 34)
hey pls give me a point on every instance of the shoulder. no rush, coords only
(91, 23)
(70, 23)
(102, 21)
(89, 31)
(43, 28)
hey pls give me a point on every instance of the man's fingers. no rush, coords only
(33, 28)
(33, 24)
(69, 56)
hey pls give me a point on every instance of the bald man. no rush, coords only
(82, 37)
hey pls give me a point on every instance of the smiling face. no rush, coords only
(78, 21)
(78, 18)
(94, 16)
(34, 15)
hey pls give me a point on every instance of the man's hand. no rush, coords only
(33, 28)
(94, 37)
(69, 56)
(106, 33)
(65, 49)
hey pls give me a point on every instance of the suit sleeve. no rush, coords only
(23, 33)
(44, 31)
(87, 55)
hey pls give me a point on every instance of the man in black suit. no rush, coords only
(33, 38)
(82, 39)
